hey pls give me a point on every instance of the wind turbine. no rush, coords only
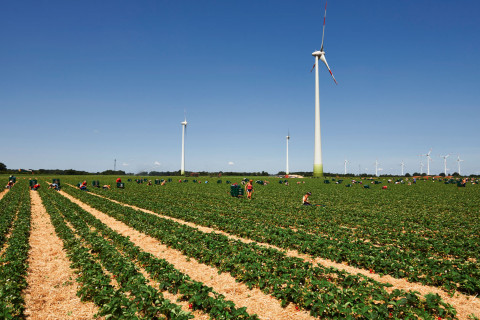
(377, 168)
(421, 167)
(287, 172)
(428, 161)
(402, 164)
(345, 163)
(445, 162)
(458, 161)
(184, 129)
(317, 160)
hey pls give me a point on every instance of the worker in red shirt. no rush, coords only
(249, 189)
(119, 180)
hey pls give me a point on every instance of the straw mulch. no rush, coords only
(51, 292)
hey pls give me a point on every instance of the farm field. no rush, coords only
(190, 250)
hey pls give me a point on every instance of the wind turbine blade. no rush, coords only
(324, 18)
(322, 57)
(313, 67)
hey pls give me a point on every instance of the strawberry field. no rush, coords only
(426, 235)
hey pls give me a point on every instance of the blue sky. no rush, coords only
(85, 82)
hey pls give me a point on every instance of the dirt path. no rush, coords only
(265, 306)
(52, 289)
(3, 193)
(464, 304)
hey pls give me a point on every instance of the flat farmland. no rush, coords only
(189, 249)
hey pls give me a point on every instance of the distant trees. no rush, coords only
(112, 172)
(3, 167)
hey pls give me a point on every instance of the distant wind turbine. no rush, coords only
(402, 164)
(377, 168)
(458, 162)
(184, 129)
(445, 162)
(421, 167)
(345, 164)
(287, 172)
(317, 160)
(428, 160)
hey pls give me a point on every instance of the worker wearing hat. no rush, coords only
(305, 199)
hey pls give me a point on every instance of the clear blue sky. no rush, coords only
(85, 82)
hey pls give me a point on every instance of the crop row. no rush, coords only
(413, 260)
(13, 262)
(8, 208)
(325, 292)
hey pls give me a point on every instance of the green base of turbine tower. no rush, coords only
(318, 170)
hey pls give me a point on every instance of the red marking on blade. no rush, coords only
(330, 72)
(324, 21)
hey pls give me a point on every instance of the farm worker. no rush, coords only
(53, 186)
(305, 199)
(119, 180)
(163, 183)
(249, 189)
(36, 186)
(83, 186)
(106, 186)
(149, 183)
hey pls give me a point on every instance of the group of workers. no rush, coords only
(249, 192)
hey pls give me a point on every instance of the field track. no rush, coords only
(52, 290)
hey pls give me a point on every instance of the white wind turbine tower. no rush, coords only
(287, 172)
(445, 162)
(402, 164)
(428, 161)
(377, 168)
(345, 164)
(317, 160)
(458, 162)
(421, 167)
(184, 129)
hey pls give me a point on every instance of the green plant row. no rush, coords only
(8, 210)
(13, 263)
(414, 264)
(198, 295)
(325, 292)
(144, 301)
